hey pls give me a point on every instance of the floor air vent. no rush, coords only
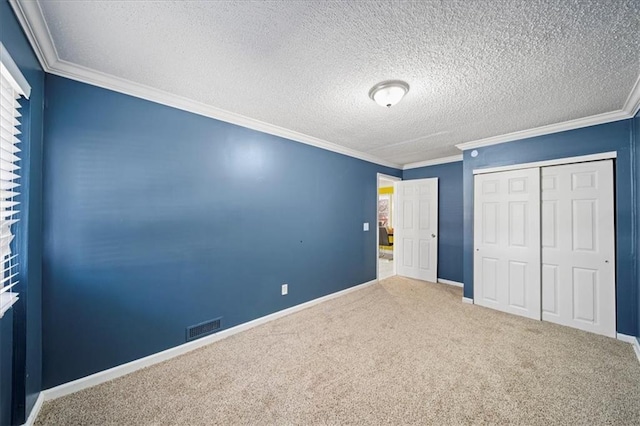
(202, 329)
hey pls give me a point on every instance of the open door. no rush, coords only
(416, 230)
(386, 222)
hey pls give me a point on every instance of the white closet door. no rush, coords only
(507, 241)
(416, 232)
(578, 246)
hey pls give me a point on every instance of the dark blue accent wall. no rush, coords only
(603, 138)
(635, 147)
(158, 219)
(21, 367)
(449, 215)
(6, 366)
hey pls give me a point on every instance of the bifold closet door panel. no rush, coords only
(578, 246)
(507, 241)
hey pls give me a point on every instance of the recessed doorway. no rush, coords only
(385, 220)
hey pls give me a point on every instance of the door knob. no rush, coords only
(433, 235)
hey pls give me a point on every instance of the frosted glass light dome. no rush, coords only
(388, 93)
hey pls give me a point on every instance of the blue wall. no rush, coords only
(636, 150)
(6, 366)
(607, 137)
(449, 215)
(23, 321)
(157, 219)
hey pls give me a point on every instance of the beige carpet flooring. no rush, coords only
(399, 352)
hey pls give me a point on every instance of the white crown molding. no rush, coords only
(426, 163)
(593, 120)
(96, 78)
(30, 17)
(629, 110)
(32, 21)
(632, 105)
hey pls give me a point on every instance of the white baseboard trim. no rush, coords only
(31, 420)
(123, 369)
(630, 339)
(467, 300)
(449, 282)
(626, 338)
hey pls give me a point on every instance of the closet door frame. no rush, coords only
(555, 162)
(540, 164)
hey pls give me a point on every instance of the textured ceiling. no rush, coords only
(477, 69)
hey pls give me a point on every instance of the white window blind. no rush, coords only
(12, 86)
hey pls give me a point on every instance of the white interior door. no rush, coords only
(416, 231)
(578, 246)
(507, 241)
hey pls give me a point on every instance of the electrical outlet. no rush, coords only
(285, 289)
(365, 226)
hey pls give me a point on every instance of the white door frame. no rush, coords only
(556, 162)
(394, 179)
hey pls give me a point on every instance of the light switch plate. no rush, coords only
(365, 226)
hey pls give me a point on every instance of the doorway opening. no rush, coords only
(385, 219)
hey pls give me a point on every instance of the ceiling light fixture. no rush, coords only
(388, 93)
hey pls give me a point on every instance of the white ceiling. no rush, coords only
(477, 69)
